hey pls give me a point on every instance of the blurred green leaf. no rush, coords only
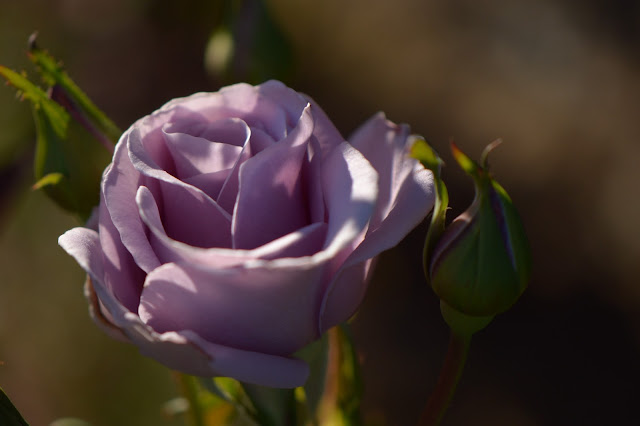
(274, 407)
(350, 386)
(9, 414)
(54, 75)
(68, 164)
(27, 90)
(317, 356)
(248, 45)
(50, 179)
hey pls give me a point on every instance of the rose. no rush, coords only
(235, 227)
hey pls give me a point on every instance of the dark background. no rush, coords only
(558, 81)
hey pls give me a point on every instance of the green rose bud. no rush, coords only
(481, 263)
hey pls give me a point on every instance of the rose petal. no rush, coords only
(210, 183)
(303, 242)
(228, 195)
(324, 131)
(345, 294)
(239, 307)
(150, 127)
(247, 103)
(189, 353)
(270, 200)
(119, 186)
(83, 245)
(189, 215)
(184, 351)
(312, 182)
(350, 187)
(209, 147)
(121, 274)
(408, 198)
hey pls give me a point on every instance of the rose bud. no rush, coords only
(481, 264)
(236, 227)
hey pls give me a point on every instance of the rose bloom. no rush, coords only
(236, 227)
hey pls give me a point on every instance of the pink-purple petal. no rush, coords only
(270, 200)
(301, 243)
(350, 187)
(408, 199)
(122, 276)
(191, 216)
(119, 185)
(228, 195)
(262, 309)
(207, 148)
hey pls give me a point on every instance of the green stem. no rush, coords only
(189, 388)
(450, 374)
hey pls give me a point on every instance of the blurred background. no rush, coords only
(559, 82)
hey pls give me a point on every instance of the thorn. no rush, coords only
(32, 41)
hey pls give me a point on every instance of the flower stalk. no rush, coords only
(450, 374)
(189, 388)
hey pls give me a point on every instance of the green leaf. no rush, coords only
(9, 414)
(350, 386)
(229, 392)
(273, 407)
(68, 164)
(423, 152)
(50, 179)
(54, 75)
(248, 45)
(466, 163)
(58, 116)
(317, 356)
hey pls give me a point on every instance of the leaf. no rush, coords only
(423, 152)
(68, 164)
(50, 179)
(54, 75)
(317, 356)
(248, 45)
(9, 414)
(274, 407)
(58, 116)
(350, 386)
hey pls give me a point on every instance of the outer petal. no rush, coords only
(184, 351)
(406, 198)
(119, 185)
(258, 308)
(84, 246)
(122, 276)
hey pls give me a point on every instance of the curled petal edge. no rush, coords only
(185, 350)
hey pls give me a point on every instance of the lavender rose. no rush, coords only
(236, 227)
